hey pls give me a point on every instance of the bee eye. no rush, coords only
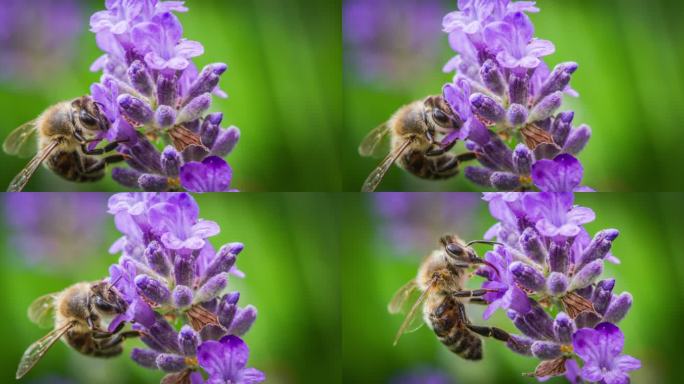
(454, 249)
(440, 117)
(87, 118)
(103, 305)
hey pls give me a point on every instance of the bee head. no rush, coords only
(438, 113)
(88, 116)
(106, 299)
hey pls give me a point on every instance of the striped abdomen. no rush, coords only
(449, 323)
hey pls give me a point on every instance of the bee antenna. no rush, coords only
(483, 242)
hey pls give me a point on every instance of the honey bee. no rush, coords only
(412, 131)
(441, 283)
(80, 315)
(63, 132)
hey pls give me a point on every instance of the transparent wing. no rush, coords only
(374, 179)
(20, 180)
(370, 143)
(412, 322)
(22, 140)
(42, 310)
(401, 297)
(37, 350)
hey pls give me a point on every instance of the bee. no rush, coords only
(80, 315)
(441, 281)
(63, 132)
(412, 131)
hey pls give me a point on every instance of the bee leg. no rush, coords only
(100, 164)
(100, 151)
(109, 352)
(497, 333)
(478, 301)
(118, 339)
(467, 156)
(473, 293)
(439, 149)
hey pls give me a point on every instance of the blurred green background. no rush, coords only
(291, 263)
(652, 269)
(629, 79)
(283, 81)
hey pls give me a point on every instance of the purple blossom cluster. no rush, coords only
(174, 280)
(547, 263)
(505, 99)
(152, 93)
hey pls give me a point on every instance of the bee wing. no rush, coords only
(534, 136)
(20, 180)
(18, 142)
(369, 144)
(37, 350)
(410, 324)
(378, 173)
(42, 310)
(401, 297)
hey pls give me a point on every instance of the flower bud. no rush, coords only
(519, 344)
(491, 77)
(557, 283)
(209, 134)
(527, 277)
(578, 139)
(188, 340)
(602, 295)
(224, 260)
(137, 73)
(152, 289)
(170, 363)
(165, 116)
(540, 321)
(244, 318)
(211, 288)
(146, 155)
(487, 108)
(531, 244)
(545, 350)
(518, 89)
(171, 161)
(546, 107)
(504, 181)
(156, 258)
(227, 309)
(145, 357)
(126, 176)
(164, 334)
(561, 127)
(618, 308)
(194, 108)
(587, 275)
(516, 115)
(167, 90)
(207, 80)
(182, 296)
(184, 270)
(563, 328)
(478, 175)
(558, 257)
(153, 183)
(135, 109)
(558, 79)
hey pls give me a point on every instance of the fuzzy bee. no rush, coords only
(440, 282)
(80, 315)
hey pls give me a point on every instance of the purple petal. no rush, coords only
(189, 48)
(206, 228)
(213, 174)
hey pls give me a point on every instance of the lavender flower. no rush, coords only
(506, 96)
(152, 92)
(30, 218)
(409, 220)
(383, 38)
(600, 349)
(168, 269)
(548, 263)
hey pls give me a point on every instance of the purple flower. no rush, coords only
(503, 92)
(225, 362)
(213, 174)
(601, 350)
(562, 174)
(150, 85)
(547, 256)
(168, 266)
